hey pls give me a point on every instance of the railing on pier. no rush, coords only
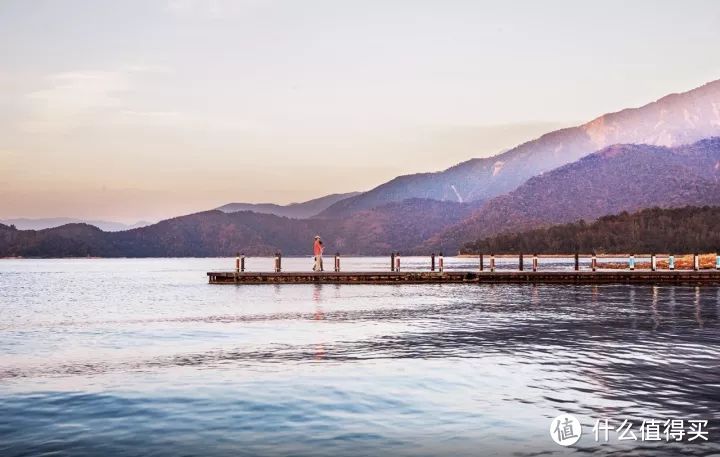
(539, 262)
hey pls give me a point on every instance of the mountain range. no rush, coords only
(302, 210)
(216, 233)
(617, 178)
(50, 222)
(670, 121)
(664, 154)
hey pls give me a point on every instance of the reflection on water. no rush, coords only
(130, 357)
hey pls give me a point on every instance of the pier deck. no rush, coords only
(705, 277)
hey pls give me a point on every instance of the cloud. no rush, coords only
(72, 97)
(76, 92)
(81, 98)
(114, 98)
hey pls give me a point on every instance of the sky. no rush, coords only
(143, 110)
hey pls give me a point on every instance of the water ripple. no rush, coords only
(156, 362)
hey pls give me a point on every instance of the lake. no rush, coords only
(121, 357)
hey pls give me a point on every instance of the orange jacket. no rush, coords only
(317, 248)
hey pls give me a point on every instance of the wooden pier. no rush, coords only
(691, 277)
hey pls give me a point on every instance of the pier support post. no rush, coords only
(577, 261)
(492, 263)
(535, 262)
(242, 262)
(278, 262)
(397, 261)
(337, 261)
(671, 262)
(441, 263)
(392, 261)
(631, 262)
(593, 261)
(237, 263)
(696, 261)
(653, 262)
(521, 263)
(482, 267)
(432, 262)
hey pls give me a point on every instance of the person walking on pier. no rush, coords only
(318, 249)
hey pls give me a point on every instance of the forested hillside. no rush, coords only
(686, 229)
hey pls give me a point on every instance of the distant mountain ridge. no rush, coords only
(51, 222)
(215, 233)
(301, 210)
(670, 121)
(617, 178)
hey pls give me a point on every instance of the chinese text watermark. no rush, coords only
(566, 430)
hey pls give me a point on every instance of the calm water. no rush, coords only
(143, 357)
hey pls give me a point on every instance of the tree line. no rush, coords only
(686, 229)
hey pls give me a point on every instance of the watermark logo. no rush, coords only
(565, 430)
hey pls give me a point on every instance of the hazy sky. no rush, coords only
(130, 110)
